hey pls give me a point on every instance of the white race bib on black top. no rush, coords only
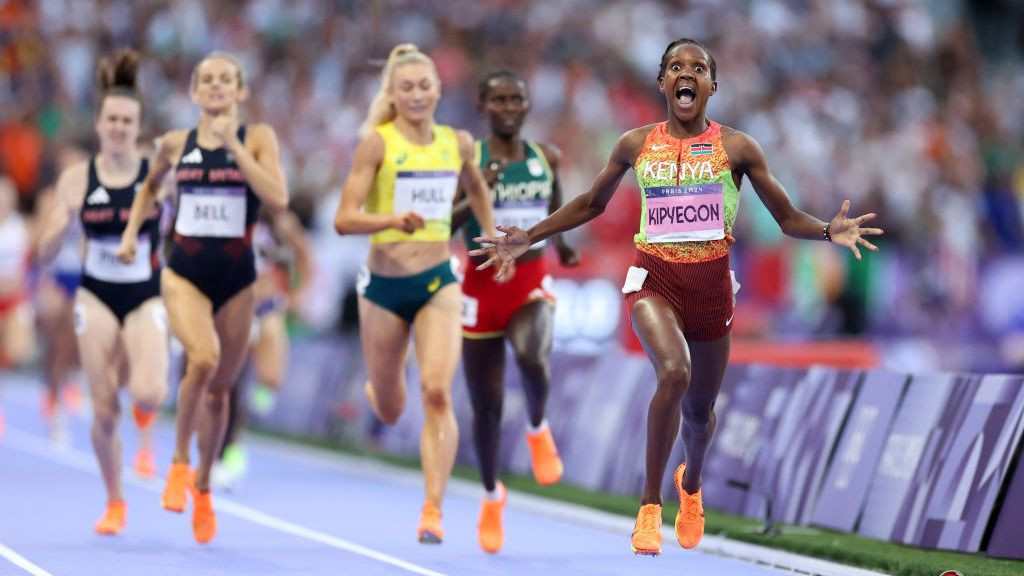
(102, 264)
(211, 212)
(428, 193)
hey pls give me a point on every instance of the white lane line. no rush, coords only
(22, 562)
(33, 445)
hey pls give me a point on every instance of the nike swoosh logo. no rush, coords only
(434, 285)
(656, 147)
(729, 321)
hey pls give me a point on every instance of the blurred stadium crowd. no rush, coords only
(912, 108)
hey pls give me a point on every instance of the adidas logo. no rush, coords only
(193, 157)
(98, 196)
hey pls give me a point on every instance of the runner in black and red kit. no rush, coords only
(223, 172)
(119, 318)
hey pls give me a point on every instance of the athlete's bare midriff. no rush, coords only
(406, 258)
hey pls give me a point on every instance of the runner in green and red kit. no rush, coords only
(678, 292)
(524, 184)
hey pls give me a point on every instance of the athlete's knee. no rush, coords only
(698, 413)
(387, 397)
(148, 396)
(437, 396)
(203, 363)
(674, 374)
(271, 378)
(488, 408)
(531, 363)
(105, 419)
(217, 399)
(389, 413)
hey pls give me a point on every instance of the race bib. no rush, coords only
(470, 310)
(427, 193)
(211, 212)
(522, 215)
(102, 264)
(685, 213)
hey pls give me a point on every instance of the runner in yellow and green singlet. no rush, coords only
(405, 173)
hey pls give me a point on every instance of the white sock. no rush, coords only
(534, 431)
(492, 495)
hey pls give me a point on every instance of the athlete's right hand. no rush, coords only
(502, 250)
(126, 251)
(408, 222)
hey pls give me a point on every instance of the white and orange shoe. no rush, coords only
(646, 540)
(490, 530)
(547, 466)
(429, 530)
(112, 521)
(690, 518)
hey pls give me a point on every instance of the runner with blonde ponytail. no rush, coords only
(400, 190)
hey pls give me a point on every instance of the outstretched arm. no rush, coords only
(749, 159)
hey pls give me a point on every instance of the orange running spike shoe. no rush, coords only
(143, 418)
(690, 518)
(547, 466)
(647, 531)
(145, 463)
(490, 531)
(174, 497)
(204, 521)
(71, 396)
(430, 531)
(113, 519)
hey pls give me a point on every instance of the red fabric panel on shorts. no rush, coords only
(700, 293)
(496, 303)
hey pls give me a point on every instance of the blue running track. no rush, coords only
(299, 511)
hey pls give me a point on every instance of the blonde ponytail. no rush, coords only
(381, 110)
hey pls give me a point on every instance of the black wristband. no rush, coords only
(825, 232)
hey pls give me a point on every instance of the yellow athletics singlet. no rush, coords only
(420, 179)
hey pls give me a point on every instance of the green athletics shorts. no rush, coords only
(405, 295)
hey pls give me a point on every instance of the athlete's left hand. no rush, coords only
(225, 128)
(566, 254)
(848, 232)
